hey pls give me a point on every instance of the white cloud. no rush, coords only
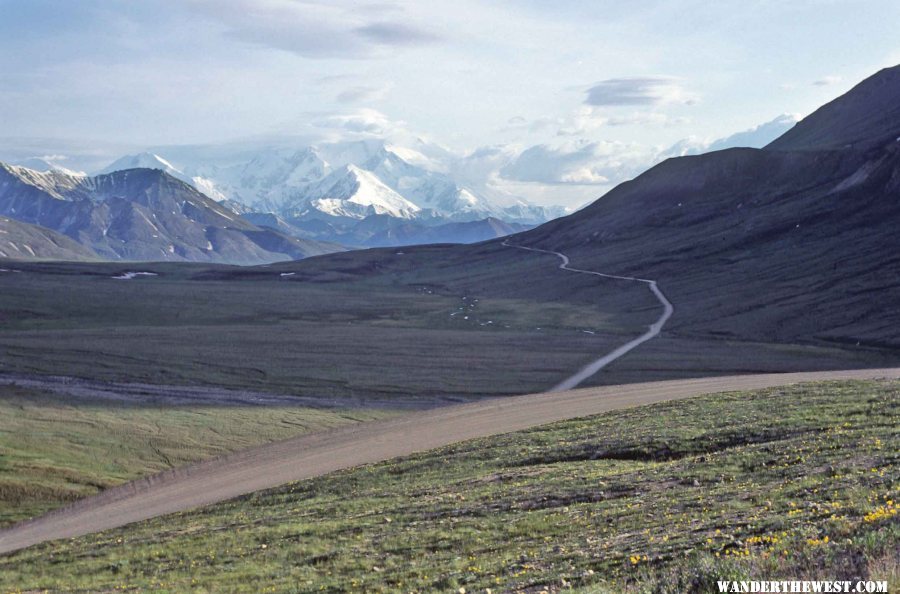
(333, 79)
(52, 158)
(583, 175)
(602, 165)
(655, 90)
(827, 81)
(582, 122)
(364, 121)
(691, 145)
(578, 162)
(482, 164)
(363, 94)
(586, 121)
(642, 118)
(756, 137)
(389, 33)
(313, 29)
(535, 126)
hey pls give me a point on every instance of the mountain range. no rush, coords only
(357, 193)
(261, 205)
(138, 214)
(360, 193)
(351, 180)
(143, 208)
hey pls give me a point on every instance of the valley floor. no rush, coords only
(370, 328)
(794, 482)
(378, 339)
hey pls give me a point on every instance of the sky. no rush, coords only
(601, 86)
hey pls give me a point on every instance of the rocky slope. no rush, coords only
(143, 214)
(21, 241)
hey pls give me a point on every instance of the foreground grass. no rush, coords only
(782, 483)
(53, 451)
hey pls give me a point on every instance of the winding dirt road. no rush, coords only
(652, 330)
(316, 454)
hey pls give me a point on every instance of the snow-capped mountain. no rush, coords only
(143, 161)
(351, 152)
(432, 192)
(153, 161)
(343, 180)
(269, 180)
(354, 193)
(525, 213)
(56, 184)
(143, 214)
(43, 166)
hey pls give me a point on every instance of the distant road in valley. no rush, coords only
(316, 454)
(653, 330)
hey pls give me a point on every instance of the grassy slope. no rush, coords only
(782, 483)
(52, 451)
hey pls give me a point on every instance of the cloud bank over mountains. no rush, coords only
(573, 83)
(567, 172)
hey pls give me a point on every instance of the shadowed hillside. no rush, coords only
(796, 241)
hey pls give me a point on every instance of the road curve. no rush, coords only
(320, 453)
(652, 330)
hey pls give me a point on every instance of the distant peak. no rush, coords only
(148, 175)
(156, 157)
(145, 160)
(310, 151)
(153, 157)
